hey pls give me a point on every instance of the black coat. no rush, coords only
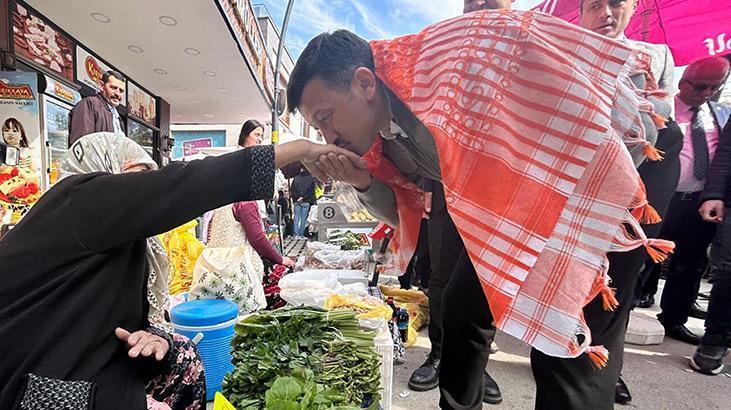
(75, 268)
(303, 186)
(718, 183)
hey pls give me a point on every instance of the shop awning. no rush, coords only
(182, 51)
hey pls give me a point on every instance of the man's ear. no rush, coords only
(365, 81)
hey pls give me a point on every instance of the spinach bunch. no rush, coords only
(274, 344)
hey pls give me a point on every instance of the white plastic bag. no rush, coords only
(324, 256)
(309, 288)
(229, 273)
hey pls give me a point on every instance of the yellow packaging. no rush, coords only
(366, 307)
(183, 249)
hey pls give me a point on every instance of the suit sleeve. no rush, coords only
(719, 181)
(111, 210)
(380, 201)
(666, 80)
(83, 119)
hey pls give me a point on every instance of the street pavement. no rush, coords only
(658, 376)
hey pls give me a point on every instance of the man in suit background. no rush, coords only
(716, 199)
(701, 121)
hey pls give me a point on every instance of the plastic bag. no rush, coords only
(229, 273)
(183, 248)
(324, 256)
(416, 303)
(309, 288)
(312, 288)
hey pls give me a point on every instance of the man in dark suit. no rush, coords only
(716, 199)
(701, 121)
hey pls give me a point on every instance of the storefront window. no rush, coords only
(141, 135)
(57, 135)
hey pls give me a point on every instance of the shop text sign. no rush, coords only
(61, 91)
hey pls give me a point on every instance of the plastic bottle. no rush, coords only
(402, 321)
(392, 304)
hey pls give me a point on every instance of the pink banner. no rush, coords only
(693, 29)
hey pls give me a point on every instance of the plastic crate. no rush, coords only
(384, 346)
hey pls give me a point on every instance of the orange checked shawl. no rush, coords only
(524, 109)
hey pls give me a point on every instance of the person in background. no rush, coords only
(571, 381)
(702, 121)
(716, 201)
(98, 113)
(241, 224)
(74, 303)
(303, 195)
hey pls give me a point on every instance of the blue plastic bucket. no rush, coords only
(214, 320)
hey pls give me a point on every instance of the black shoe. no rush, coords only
(646, 301)
(426, 377)
(621, 392)
(492, 391)
(708, 359)
(697, 311)
(682, 333)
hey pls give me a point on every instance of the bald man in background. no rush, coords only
(702, 122)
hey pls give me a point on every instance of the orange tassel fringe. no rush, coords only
(598, 355)
(659, 120)
(652, 153)
(609, 299)
(659, 249)
(646, 215)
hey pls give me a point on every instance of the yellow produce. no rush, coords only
(365, 307)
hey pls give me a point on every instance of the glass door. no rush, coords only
(57, 137)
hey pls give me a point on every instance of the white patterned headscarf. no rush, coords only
(109, 152)
(104, 152)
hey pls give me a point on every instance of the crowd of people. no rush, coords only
(525, 162)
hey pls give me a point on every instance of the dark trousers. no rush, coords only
(718, 321)
(420, 265)
(692, 236)
(576, 383)
(460, 327)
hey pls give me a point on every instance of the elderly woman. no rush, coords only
(75, 276)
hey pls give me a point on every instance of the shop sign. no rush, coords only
(141, 104)
(192, 147)
(61, 91)
(39, 43)
(89, 70)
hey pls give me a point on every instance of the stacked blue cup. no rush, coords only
(214, 320)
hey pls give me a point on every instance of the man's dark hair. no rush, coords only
(334, 57)
(246, 129)
(112, 73)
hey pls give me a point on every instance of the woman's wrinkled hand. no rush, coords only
(143, 343)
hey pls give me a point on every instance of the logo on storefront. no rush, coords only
(93, 70)
(15, 92)
(719, 45)
(64, 93)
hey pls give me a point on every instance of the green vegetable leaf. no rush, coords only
(285, 388)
